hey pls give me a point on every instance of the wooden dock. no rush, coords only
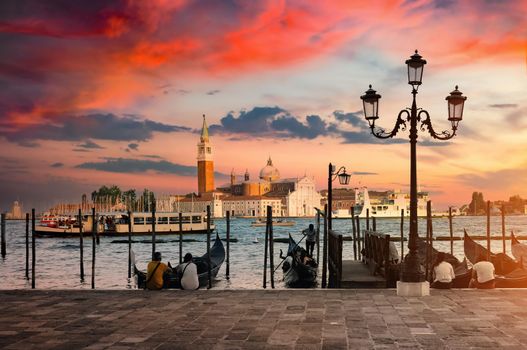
(356, 274)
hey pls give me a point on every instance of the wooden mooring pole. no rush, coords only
(2, 229)
(402, 235)
(209, 271)
(181, 238)
(93, 243)
(27, 246)
(325, 248)
(129, 244)
(271, 244)
(266, 242)
(374, 223)
(153, 229)
(81, 245)
(318, 237)
(488, 230)
(354, 233)
(503, 227)
(360, 241)
(227, 260)
(367, 219)
(33, 249)
(451, 230)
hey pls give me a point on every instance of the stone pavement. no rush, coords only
(262, 319)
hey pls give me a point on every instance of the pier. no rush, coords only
(258, 319)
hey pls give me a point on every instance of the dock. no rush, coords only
(262, 319)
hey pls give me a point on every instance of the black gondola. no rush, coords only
(217, 256)
(461, 270)
(475, 252)
(296, 272)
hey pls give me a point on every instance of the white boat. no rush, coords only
(386, 207)
(117, 223)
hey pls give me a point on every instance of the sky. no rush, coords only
(113, 92)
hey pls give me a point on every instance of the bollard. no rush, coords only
(33, 250)
(402, 235)
(153, 229)
(2, 229)
(325, 248)
(451, 230)
(129, 244)
(227, 266)
(93, 242)
(27, 246)
(271, 244)
(181, 238)
(81, 246)
(488, 230)
(354, 233)
(209, 271)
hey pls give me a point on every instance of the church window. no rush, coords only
(208, 150)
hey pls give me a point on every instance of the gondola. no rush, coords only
(475, 252)
(217, 256)
(296, 272)
(519, 250)
(461, 270)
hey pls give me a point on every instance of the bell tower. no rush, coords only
(205, 162)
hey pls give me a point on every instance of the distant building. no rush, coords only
(343, 198)
(298, 196)
(253, 206)
(205, 162)
(16, 212)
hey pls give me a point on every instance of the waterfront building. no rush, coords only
(251, 206)
(343, 198)
(205, 161)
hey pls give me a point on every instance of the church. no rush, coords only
(243, 197)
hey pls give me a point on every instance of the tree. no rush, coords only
(129, 198)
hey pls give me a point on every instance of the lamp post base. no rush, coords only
(413, 289)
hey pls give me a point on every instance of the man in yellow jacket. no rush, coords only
(155, 271)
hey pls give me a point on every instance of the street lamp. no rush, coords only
(344, 179)
(410, 270)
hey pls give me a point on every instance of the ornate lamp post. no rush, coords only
(344, 179)
(410, 270)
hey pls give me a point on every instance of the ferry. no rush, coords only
(388, 207)
(117, 224)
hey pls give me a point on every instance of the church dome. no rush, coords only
(269, 172)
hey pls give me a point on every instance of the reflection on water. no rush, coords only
(57, 264)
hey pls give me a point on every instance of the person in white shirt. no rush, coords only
(443, 273)
(188, 273)
(482, 275)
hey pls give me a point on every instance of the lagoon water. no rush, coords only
(57, 263)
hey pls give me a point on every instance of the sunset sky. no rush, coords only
(112, 92)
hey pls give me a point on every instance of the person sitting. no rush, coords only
(188, 273)
(482, 275)
(443, 273)
(155, 273)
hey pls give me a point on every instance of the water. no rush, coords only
(57, 264)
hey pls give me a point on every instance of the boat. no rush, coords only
(387, 207)
(116, 224)
(296, 272)
(255, 239)
(519, 250)
(461, 270)
(217, 256)
(475, 252)
(279, 222)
